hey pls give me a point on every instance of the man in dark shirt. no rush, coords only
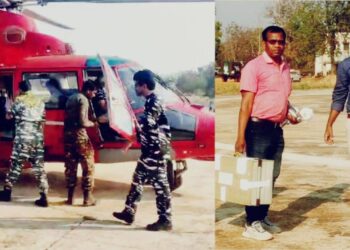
(154, 136)
(100, 100)
(340, 98)
(77, 145)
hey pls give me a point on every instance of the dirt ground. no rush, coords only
(24, 226)
(312, 195)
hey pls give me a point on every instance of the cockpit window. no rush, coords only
(126, 75)
(182, 126)
(54, 88)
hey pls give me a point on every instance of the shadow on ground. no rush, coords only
(64, 224)
(227, 210)
(26, 188)
(296, 210)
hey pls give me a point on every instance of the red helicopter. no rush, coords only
(55, 73)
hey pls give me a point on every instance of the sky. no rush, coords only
(164, 37)
(250, 14)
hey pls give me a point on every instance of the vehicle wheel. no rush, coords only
(174, 177)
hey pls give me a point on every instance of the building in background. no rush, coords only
(323, 62)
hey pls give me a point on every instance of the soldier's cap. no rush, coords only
(145, 77)
(25, 86)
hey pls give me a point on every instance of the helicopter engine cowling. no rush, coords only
(20, 39)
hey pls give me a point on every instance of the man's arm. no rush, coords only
(164, 124)
(84, 115)
(341, 89)
(244, 115)
(149, 124)
(151, 114)
(328, 134)
(11, 113)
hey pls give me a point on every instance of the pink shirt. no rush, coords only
(272, 86)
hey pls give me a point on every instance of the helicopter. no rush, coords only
(56, 72)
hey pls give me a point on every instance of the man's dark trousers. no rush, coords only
(264, 140)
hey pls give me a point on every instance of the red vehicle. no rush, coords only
(56, 73)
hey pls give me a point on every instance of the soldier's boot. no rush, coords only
(161, 225)
(125, 215)
(89, 199)
(5, 195)
(42, 201)
(70, 196)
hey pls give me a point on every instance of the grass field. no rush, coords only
(231, 87)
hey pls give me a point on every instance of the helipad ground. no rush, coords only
(24, 226)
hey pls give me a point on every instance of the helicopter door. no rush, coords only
(6, 126)
(121, 116)
(54, 88)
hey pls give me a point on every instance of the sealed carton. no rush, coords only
(242, 180)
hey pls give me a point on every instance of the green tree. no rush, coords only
(218, 37)
(306, 34)
(336, 20)
(241, 44)
(312, 28)
(198, 82)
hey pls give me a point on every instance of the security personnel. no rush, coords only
(29, 113)
(77, 145)
(154, 136)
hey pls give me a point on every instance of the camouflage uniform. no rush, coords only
(77, 145)
(151, 167)
(28, 145)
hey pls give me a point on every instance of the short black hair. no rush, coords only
(99, 83)
(273, 29)
(145, 77)
(88, 85)
(25, 86)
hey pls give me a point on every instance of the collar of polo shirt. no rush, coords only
(268, 59)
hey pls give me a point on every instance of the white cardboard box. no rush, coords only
(242, 180)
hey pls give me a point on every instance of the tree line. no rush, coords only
(311, 27)
(198, 82)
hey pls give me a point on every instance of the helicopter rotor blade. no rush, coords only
(120, 1)
(36, 16)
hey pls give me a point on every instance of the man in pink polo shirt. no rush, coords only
(265, 88)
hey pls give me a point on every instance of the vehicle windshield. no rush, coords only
(167, 94)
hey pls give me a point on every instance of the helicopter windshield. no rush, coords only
(126, 75)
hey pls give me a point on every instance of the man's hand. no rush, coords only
(240, 145)
(103, 118)
(9, 116)
(293, 120)
(129, 144)
(328, 135)
(137, 126)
